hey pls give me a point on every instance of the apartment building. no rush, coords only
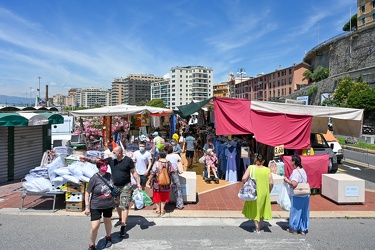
(221, 90)
(92, 97)
(271, 86)
(186, 84)
(59, 100)
(133, 89)
(365, 13)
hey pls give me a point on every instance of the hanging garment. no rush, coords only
(231, 171)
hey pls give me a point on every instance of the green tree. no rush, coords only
(342, 91)
(353, 24)
(156, 103)
(362, 96)
(320, 73)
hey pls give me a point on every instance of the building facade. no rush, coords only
(270, 86)
(365, 13)
(59, 100)
(93, 97)
(186, 84)
(133, 89)
(221, 90)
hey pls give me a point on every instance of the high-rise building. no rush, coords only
(133, 89)
(92, 97)
(186, 84)
(365, 13)
(59, 100)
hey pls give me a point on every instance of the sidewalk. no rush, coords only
(215, 201)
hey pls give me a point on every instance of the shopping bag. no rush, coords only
(138, 199)
(146, 199)
(248, 191)
(283, 200)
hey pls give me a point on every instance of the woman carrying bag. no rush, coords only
(259, 209)
(300, 208)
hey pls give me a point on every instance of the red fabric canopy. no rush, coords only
(274, 129)
(235, 117)
(314, 165)
(232, 116)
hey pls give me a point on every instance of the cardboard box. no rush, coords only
(76, 188)
(75, 206)
(57, 186)
(74, 197)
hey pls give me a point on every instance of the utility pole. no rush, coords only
(39, 87)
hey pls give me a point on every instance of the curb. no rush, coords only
(199, 214)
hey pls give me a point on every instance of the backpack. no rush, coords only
(163, 175)
(160, 143)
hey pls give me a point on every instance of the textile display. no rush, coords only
(314, 165)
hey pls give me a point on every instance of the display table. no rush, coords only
(42, 194)
(188, 180)
(277, 184)
(343, 188)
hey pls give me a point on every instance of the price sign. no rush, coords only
(279, 150)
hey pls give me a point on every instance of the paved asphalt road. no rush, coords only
(71, 232)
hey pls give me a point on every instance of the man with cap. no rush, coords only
(157, 143)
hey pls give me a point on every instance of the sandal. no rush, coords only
(157, 212)
(303, 233)
(162, 212)
(291, 231)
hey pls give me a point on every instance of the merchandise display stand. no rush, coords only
(42, 194)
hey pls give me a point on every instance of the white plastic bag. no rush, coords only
(58, 162)
(283, 200)
(138, 199)
(202, 159)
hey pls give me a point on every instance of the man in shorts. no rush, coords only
(121, 168)
(189, 146)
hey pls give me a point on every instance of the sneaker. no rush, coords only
(92, 247)
(122, 231)
(118, 223)
(108, 242)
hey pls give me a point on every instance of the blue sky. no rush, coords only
(88, 43)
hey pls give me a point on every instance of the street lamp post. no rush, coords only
(39, 87)
(241, 72)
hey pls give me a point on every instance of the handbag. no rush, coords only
(115, 191)
(180, 167)
(248, 191)
(302, 188)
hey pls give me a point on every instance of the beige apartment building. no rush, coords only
(365, 13)
(221, 90)
(271, 86)
(133, 89)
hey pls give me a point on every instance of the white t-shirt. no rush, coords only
(141, 161)
(299, 176)
(174, 159)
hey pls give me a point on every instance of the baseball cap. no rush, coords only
(155, 133)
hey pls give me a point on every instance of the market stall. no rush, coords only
(287, 125)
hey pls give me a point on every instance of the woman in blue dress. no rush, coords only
(300, 208)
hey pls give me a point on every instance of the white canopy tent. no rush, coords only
(122, 109)
(346, 121)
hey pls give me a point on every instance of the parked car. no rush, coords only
(337, 149)
(320, 146)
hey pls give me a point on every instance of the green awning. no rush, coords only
(193, 107)
(53, 118)
(12, 119)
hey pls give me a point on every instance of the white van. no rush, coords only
(337, 149)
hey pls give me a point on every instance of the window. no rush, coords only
(363, 8)
(173, 76)
(290, 91)
(373, 16)
(363, 20)
(290, 71)
(373, 4)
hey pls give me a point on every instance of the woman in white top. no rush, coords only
(300, 208)
(175, 159)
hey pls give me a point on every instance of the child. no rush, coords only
(211, 159)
